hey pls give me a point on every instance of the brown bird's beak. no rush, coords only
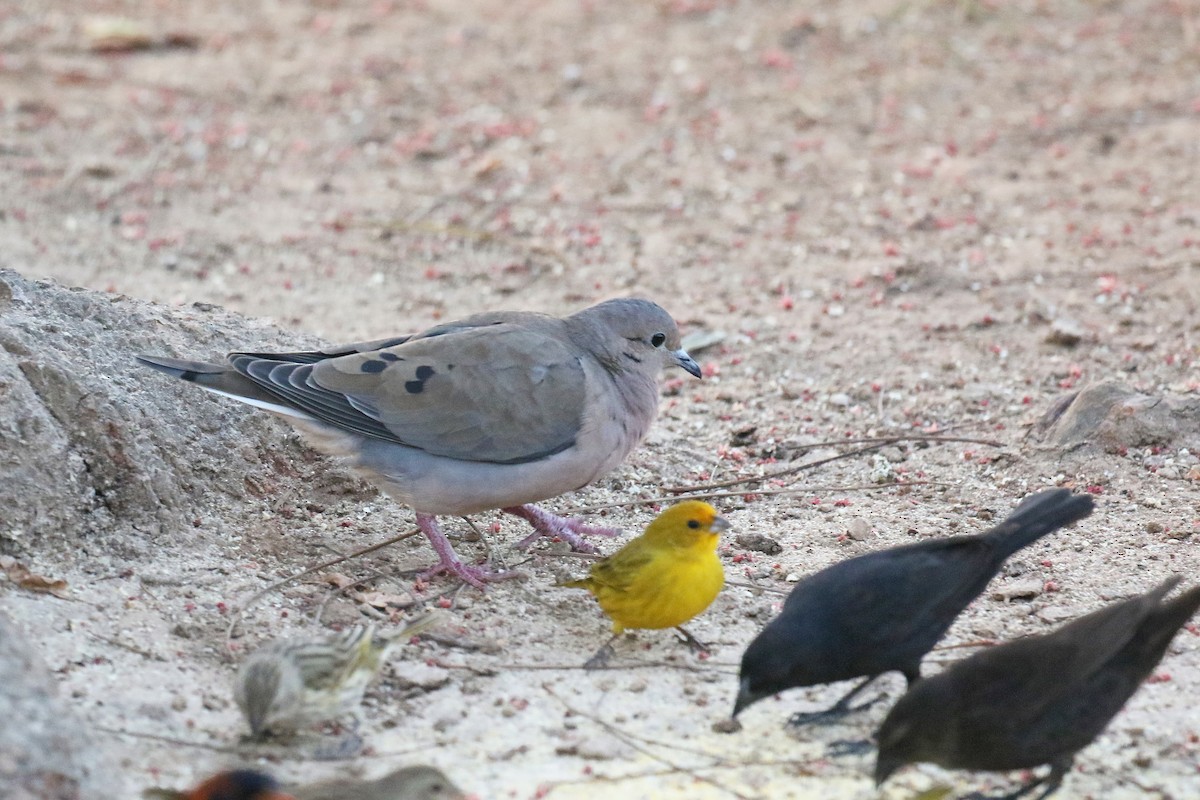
(682, 359)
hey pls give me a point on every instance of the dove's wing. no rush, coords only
(505, 392)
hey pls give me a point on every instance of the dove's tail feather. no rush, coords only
(1038, 515)
(222, 380)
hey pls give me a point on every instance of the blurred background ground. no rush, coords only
(903, 217)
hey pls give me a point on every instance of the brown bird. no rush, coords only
(1037, 700)
(234, 784)
(407, 783)
(885, 610)
(498, 410)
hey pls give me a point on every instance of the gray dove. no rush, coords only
(497, 410)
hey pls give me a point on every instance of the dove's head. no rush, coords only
(634, 333)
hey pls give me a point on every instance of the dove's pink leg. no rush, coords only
(449, 562)
(570, 530)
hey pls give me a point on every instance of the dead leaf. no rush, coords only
(338, 580)
(19, 574)
(383, 600)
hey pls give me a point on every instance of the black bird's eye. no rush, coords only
(693, 523)
(657, 339)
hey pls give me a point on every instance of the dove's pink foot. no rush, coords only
(570, 530)
(448, 561)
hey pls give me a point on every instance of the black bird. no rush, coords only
(1037, 700)
(885, 610)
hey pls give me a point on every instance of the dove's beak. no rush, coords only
(687, 362)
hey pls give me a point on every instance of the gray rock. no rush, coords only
(44, 752)
(1113, 417)
(91, 442)
(1065, 332)
(759, 543)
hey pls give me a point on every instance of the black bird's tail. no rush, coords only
(1163, 622)
(1036, 516)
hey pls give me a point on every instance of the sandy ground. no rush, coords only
(904, 218)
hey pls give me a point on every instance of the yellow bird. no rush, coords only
(662, 578)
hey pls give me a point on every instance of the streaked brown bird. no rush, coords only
(406, 783)
(290, 683)
(885, 610)
(1037, 700)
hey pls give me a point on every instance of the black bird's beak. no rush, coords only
(745, 698)
(884, 767)
(682, 359)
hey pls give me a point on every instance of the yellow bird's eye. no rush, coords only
(693, 523)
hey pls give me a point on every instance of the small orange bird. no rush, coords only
(662, 578)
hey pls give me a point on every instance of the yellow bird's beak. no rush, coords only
(719, 524)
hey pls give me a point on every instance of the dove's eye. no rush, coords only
(657, 339)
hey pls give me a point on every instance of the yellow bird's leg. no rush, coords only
(604, 654)
(695, 644)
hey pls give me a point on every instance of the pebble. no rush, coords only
(420, 675)
(759, 543)
(1065, 332)
(1019, 590)
(1056, 614)
(859, 529)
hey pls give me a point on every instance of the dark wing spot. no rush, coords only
(390, 357)
(631, 357)
(414, 387)
(424, 373)
(373, 367)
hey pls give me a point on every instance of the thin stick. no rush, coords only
(249, 752)
(632, 742)
(131, 648)
(861, 487)
(976, 643)
(875, 443)
(756, 587)
(654, 773)
(216, 748)
(323, 565)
